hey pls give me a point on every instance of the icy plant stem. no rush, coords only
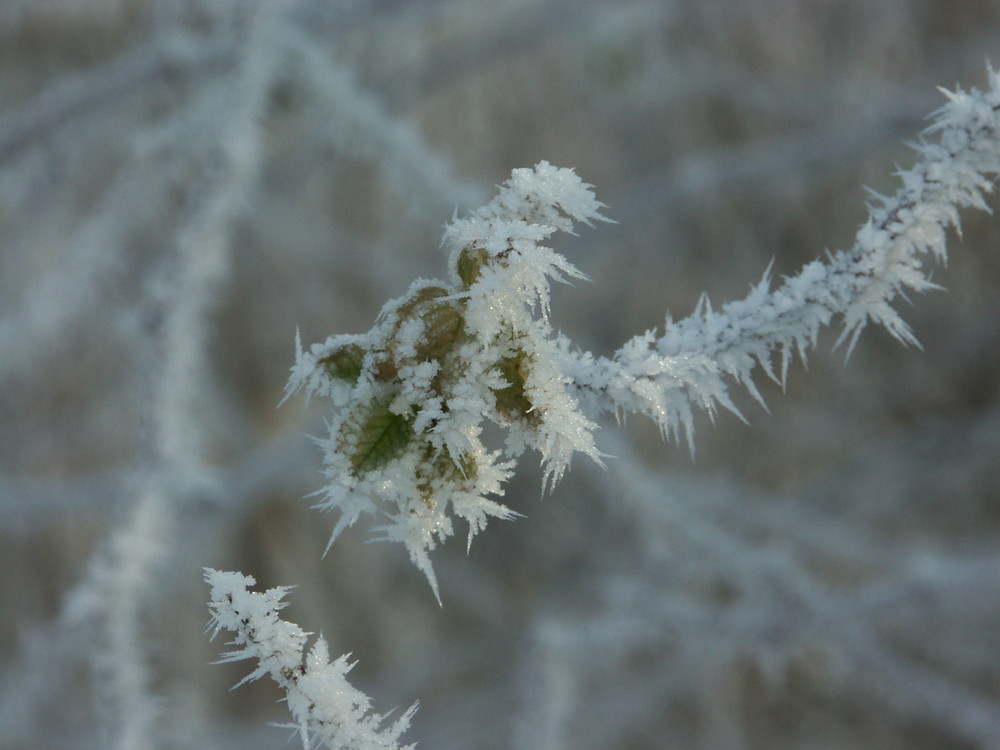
(663, 377)
(328, 711)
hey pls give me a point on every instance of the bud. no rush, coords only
(344, 363)
(470, 265)
(512, 401)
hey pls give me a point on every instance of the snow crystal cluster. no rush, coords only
(413, 394)
(328, 710)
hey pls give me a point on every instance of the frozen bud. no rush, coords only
(344, 363)
(469, 265)
(512, 401)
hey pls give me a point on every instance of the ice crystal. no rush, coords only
(328, 711)
(413, 395)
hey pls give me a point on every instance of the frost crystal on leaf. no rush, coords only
(413, 395)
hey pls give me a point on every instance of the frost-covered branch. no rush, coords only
(328, 711)
(87, 91)
(664, 377)
(112, 592)
(413, 395)
(718, 579)
(356, 122)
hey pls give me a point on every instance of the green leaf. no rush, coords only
(373, 436)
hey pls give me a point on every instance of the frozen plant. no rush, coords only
(328, 711)
(413, 395)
